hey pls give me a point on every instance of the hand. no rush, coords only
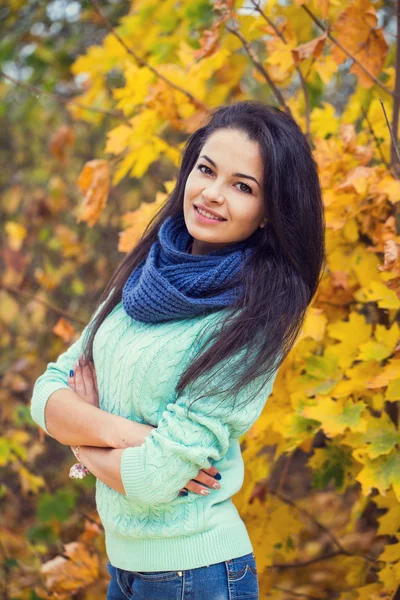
(84, 381)
(205, 476)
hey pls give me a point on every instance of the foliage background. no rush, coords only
(97, 100)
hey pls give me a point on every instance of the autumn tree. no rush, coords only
(321, 497)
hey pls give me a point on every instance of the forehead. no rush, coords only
(232, 149)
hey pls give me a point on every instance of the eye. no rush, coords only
(250, 191)
(205, 166)
(247, 186)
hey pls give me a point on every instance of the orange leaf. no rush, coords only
(94, 182)
(312, 48)
(64, 330)
(61, 140)
(73, 573)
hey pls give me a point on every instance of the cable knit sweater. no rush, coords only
(151, 528)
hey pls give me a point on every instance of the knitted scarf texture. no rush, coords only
(171, 283)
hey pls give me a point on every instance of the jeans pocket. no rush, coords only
(243, 577)
(125, 581)
(158, 575)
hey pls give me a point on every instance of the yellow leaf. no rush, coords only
(324, 121)
(372, 591)
(336, 416)
(16, 235)
(29, 481)
(380, 293)
(118, 139)
(389, 523)
(315, 324)
(380, 473)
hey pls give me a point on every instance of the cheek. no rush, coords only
(242, 211)
(193, 187)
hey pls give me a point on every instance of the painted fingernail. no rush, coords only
(218, 476)
(216, 486)
(71, 373)
(205, 492)
(183, 494)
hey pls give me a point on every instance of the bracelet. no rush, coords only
(75, 450)
(78, 471)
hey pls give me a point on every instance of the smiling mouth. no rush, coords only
(206, 218)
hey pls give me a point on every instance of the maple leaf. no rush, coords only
(94, 182)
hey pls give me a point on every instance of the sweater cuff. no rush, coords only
(39, 401)
(134, 478)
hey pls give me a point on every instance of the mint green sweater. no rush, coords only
(150, 527)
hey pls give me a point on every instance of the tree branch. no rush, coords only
(302, 80)
(394, 144)
(334, 540)
(296, 594)
(260, 68)
(343, 49)
(142, 62)
(396, 104)
(26, 296)
(377, 142)
(62, 99)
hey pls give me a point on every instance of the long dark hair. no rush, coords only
(284, 271)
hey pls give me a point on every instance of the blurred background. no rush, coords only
(96, 102)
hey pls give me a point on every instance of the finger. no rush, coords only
(90, 383)
(206, 480)
(197, 488)
(80, 381)
(93, 371)
(71, 381)
(212, 471)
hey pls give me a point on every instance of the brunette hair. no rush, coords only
(284, 271)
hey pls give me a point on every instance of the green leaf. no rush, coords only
(59, 506)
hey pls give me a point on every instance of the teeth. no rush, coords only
(209, 215)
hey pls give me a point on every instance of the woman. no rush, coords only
(237, 252)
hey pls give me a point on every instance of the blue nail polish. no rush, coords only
(183, 494)
(218, 476)
(71, 373)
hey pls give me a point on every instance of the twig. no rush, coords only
(396, 103)
(284, 473)
(305, 563)
(26, 296)
(396, 150)
(142, 62)
(261, 69)
(334, 540)
(343, 49)
(62, 99)
(377, 142)
(302, 80)
(297, 594)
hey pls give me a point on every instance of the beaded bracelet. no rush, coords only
(78, 470)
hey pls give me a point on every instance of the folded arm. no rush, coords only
(69, 419)
(185, 442)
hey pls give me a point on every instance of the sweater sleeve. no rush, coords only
(183, 443)
(56, 376)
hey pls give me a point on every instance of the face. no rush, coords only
(226, 179)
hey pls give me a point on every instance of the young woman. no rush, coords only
(182, 353)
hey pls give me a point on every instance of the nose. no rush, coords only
(213, 193)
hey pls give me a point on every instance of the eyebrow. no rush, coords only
(235, 174)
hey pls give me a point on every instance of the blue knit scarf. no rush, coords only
(171, 283)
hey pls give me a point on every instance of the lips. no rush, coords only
(209, 211)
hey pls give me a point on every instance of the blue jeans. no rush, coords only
(234, 579)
